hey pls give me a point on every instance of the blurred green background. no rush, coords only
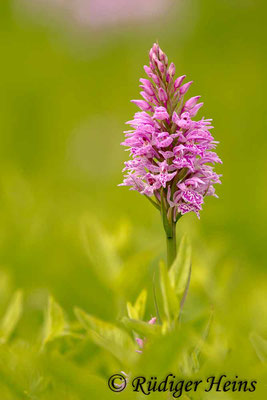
(65, 93)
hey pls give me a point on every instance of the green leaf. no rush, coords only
(108, 336)
(141, 327)
(121, 235)
(11, 317)
(140, 304)
(131, 311)
(163, 353)
(180, 270)
(101, 251)
(260, 346)
(55, 324)
(71, 381)
(170, 301)
(138, 310)
(184, 295)
(196, 359)
(156, 300)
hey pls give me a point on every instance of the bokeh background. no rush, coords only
(68, 71)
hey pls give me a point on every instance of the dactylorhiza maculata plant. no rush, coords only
(171, 154)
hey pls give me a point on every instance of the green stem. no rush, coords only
(171, 245)
(169, 227)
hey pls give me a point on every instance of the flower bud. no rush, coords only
(148, 70)
(194, 110)
(163, 57)
(155, 48)
(171, 70)
(179, 81)
(160, 66)
(142, 104)
(185, 87)
(140, 342)
(146, 97)
(162, 95)
(191, 102)
(155, 79)
(147, 85)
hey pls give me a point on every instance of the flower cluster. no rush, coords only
(171, 154)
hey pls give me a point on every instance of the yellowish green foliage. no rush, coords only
(11, 317)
